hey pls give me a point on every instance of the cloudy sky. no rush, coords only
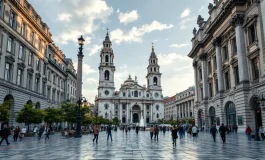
(133, 26)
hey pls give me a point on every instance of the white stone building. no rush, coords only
(228, 54)
(133, 102)
(32, 68)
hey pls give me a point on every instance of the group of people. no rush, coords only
(96, 133)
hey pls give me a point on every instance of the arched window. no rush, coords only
(106, 58)
(155, 81)
(37, 106)
(151, 69)
(157, 115)
(106, 75)
(155, 69)
(135, 93)
(154, 61)
(106, 106)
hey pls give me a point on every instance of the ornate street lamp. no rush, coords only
(79, 86)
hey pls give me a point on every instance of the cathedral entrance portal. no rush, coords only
(135, 118)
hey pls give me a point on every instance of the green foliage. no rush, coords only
(87, 120)
(53, 115)
(160, 121)
(5, 111)
(30, 115)
(183, 121)
(116, 121)
(70, 112)
(189, 121)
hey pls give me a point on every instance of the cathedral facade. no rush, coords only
(133, 103)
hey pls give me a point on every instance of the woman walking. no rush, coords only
(174, 134)
(16, 133)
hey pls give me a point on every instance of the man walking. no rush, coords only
(213, 131)
(222, 131)
(151, 132)
(156, 130)
(174, 134)
(48, 131)
(109, 133)
(41, 130)
(4, 134)
(137, 129)
(194, 131)
(96, 132)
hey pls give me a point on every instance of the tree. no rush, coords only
(5, 111)
(53, 115)
(160, 121)
(30, 115)
(189, 121)
(87, 120)
(116, 121)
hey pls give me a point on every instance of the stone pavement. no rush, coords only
(134, 147)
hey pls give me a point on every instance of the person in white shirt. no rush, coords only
(35, 130)
(23, 130)
(194, 131)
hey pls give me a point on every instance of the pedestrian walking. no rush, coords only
(109, 133)
(16, 133)
(181, 131)
(261, 131)
(222, 131)
(96, 132)
(156, 131)
(41, 130)
(5, 132)
(194, 131)
(151, 132)
(236, 128)
(35, 130)
(164, 129)
(137, 129)
(213, 131)
(174, 134)
(248, 132)
(126, 130)
(47, 132)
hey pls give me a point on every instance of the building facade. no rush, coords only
(181, 105)
(228, 60)
(32, 68)
(133, 103)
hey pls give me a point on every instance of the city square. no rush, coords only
(75, 72)
(135, 146)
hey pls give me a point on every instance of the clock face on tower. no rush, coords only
(156, 94)
(106, 92)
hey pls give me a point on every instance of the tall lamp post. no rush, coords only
(79, 86)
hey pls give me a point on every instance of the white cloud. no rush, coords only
(91, 80)
(185, 13)
(64, 17)
(118, 10)
(94, 49)
(86, 69)
(183, 22)
(129, 17)
(179, 45)
(124, 66)
(135, 34)
(155, 40)
(166, 39)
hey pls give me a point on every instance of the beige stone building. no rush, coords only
(32, 68)
(228, 60)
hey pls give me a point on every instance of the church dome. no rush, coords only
(153, 54)
(128, 82)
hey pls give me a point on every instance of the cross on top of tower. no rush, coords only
(153, 47)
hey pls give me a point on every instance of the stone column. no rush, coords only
(217, 44)
(151, 112)
(203, 58)
(196, 80)
(79, 76)
(238, 21)
(127, 115)
(121, 112)
(131, 115)
(144, 112)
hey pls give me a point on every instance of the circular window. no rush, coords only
(156, 94)
(106, 92)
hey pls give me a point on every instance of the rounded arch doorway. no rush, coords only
(255, 106)
(230, 114)
(10, 100)
(212, 115)
(135, 118)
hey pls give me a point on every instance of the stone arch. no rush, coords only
(37, 106)
(256, 116)
(106, 75)
(7, 98)
(155, 81)
(29, 102)
(230, 113)
(212, 114)
(136, 107)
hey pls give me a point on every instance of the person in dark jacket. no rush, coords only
(109, 133)
(48, 131)
(137, 129)
(213, 131)
(41, 130)
(174, 135)
(222, 131)
(156, 131)
(16, 133)
(5, 132)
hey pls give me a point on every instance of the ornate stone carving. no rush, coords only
(194, 31)
(217, 41)
(200, 20)
(10, 59)
(203, 56)
(30, 70)
(210, 7)
(194, 64)
(237, 20)
(21, 65)
(215, 2)
(37, 75)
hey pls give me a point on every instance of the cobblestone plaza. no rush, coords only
(134, 147)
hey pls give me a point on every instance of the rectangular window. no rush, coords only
(210, 90)
(214, 62)
(251, 34)
(200, 73)
(21, 52)
(8, 72)
(29, 82)
(255, 68)
(37, 83)
(216, 86)
(32, 37)
(39, 45)
(9, 45)
(236, 73)
(49, 76)
(225, 53)
(54, 78)
(12, 19)
(44, 68)
(59, 82)
(124, 106)
(30, 58)
(227, 81)
(44, 88)
(201, 94)
(22, 31)
(38, 64)
(53, 95)
(49, 93)
(19, 77)
(209, 67)
(234, 47)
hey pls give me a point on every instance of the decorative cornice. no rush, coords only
(21, 65)
(44, 79)
(30, 70)
(37, 75)
(203, 56)
(217, 41)
(10, 59)
(194, 64)
(237, 20)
